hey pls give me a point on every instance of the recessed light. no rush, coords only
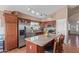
(28, 9)
(32, 11)
(77, 21)
(37, 13)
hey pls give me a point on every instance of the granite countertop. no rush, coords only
(41, 40)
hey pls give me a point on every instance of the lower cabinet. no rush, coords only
(10, 42)
(33, 48)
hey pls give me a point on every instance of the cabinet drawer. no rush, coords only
(30, 47)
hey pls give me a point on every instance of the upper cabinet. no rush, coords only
(10, 18)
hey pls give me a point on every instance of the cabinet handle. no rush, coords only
(30, 47)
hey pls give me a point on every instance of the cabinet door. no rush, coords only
(11, 36)
(10, 42)
(10, 18)
(30, 47)
(33, 48)
(11, 29)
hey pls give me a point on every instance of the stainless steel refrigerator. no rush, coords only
(21, 33)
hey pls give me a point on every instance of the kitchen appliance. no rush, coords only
(21, 34)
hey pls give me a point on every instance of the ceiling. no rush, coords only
(73, 9)
(74, 14)
(72, 6)
(39, 11)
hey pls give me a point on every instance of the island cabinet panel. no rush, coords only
(11, 32)
(40, 49)
(33, 48)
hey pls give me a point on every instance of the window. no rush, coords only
(35, 25)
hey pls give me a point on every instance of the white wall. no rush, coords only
(61, 18)
(61, 28)
(2, 24)
(1, 29)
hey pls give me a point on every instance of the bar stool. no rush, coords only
(58, 44)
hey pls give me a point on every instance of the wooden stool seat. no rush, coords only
(58, 44)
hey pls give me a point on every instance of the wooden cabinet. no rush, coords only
(11, 29)
(10, 42)
(11, 18)
(30, 47)
(46, 23)
(39, 33)
(11, 32)
(11, 36)
(33, 48)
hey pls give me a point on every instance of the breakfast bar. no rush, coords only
(36, 44)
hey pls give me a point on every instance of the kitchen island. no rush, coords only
(36, 44)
